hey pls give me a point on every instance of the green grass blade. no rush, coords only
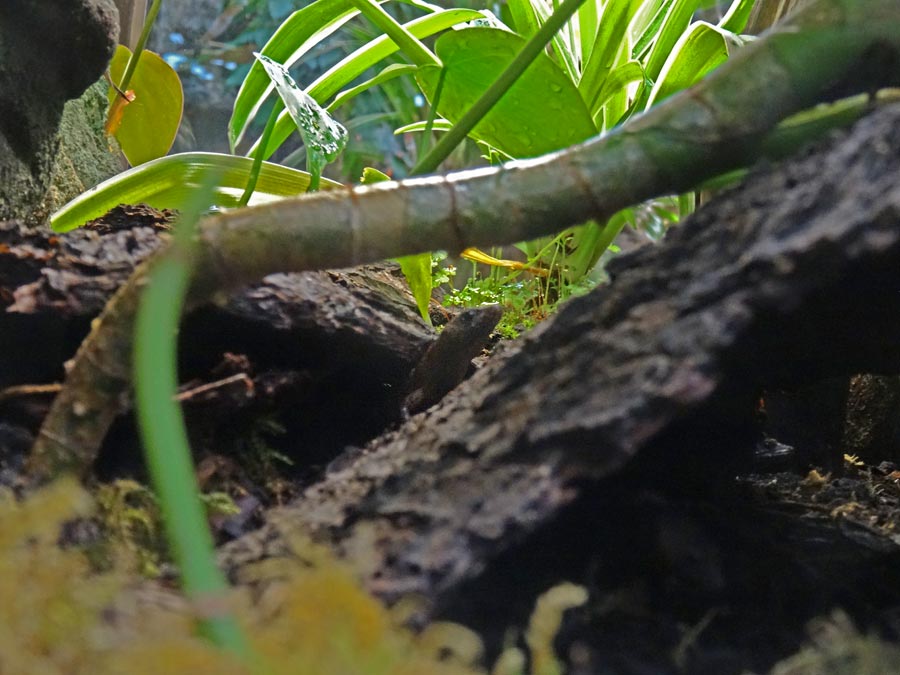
(735, 19)
(588, 16)
(414, 50)
(564, 51)
(170, 181)
(614, 93)
(167, 449)
(700, 49)
(677, 19)
(525, 21)
(647, 25)
(440, 124)
(253, 178)
(612, 35)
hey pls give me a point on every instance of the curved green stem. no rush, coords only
(139, 47)
(165, 439)
(260, 153)
(418, 53)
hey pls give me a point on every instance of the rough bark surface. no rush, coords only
(349, 339)
(788, 279)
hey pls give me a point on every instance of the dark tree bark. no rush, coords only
(332, 349)
(791, 278)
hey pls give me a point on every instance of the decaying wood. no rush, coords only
(717, 126)
(791, 278)
(355, 330)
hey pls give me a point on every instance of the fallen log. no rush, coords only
(350, 338)
(651, 382)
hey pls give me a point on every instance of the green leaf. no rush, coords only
(324, 137)
(612, 36)
(676, 22)
(301, 32)
(372, 175)
(700, 49)
(170, 181)
(735, 19)
(354, 65)
(392, 71)
(417, 270)
(438, 125)
(412, 49)
(647, 24)
(525, 21)
(614, 93)
(541, 113)
(674, 25)
(588, 17)
(148, 123)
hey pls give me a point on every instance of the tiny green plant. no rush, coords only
(609, 61)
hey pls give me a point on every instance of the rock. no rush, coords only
(50, 53)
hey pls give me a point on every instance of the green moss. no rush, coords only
(87, 156)
(306, 613)
(62, 166)
(59, 616)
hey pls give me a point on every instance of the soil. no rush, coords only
(675, 442)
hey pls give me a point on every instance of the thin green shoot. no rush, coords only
(432, 113)
(162, 429)
(139, 47)
(418, 53)
(260, 153)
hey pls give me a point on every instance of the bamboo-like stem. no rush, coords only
(712, 128)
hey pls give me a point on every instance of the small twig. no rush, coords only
(194, 392)
(20, 390)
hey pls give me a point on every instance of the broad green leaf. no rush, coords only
(541, 113)
(389, 73)
(300, 32)
(701, 48)
(324, 137)
(438, 125)
(416, 268)
(354, 65)
(148, 123)
(169, 182)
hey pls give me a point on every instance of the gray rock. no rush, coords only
(50, 53)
